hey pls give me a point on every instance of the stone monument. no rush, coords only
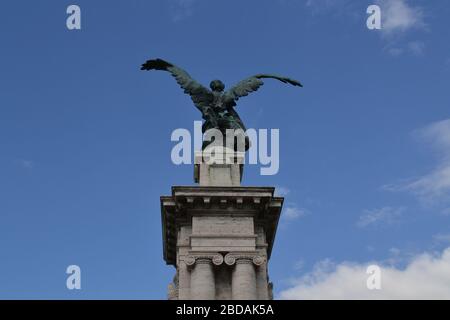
(219, 235)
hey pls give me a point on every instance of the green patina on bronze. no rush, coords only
(216, 106)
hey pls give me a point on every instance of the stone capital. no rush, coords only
(250, 257)
(193, 258)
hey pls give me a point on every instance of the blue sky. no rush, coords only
(85, 138)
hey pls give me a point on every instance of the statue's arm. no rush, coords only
(200, 95)
(251, 84)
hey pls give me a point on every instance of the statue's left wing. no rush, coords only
(201, 96)
(251, 84)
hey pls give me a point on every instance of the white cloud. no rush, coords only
(437, 134)
(385, 215)
(396, 257)
(432, 188)
(398, 16)
(293, 212)
(426, 276)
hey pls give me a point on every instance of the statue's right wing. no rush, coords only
(201, 96)
(251, 84)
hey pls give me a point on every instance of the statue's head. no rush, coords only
(217, 85)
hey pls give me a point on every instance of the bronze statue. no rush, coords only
(216, 106)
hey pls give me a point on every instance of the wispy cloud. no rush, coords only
(426, 276)
(318, 6)
(338, 8)
(282, 191)
(398, 16)
(432, 188)
(299, 265)
(293, 212)
(442, 237)
(416, 47)
(385, 215)
(24, 163)
(398, 19)
(181, 9)
(394, 51)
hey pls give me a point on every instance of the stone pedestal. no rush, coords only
(218, 167)
(219, 235)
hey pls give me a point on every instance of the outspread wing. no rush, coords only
(200, 95)
(251, 84)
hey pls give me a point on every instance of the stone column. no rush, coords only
(243, 281)
(261, 282)
(202, 280)
(184, 280)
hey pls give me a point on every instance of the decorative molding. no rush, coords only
(259, 260)
(189, 260)
(215, 258)
(246, 260)
(252, 257)
(187, 201)
(203, 260)
(230, 259)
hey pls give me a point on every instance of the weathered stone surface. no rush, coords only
(243, 282)
(202, 280)
(221, 244)
(223, 283)
(226, 225)
(220, 239)
(223, 169)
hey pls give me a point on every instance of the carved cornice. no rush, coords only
(185, 202)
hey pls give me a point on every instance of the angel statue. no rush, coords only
(216, 106)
